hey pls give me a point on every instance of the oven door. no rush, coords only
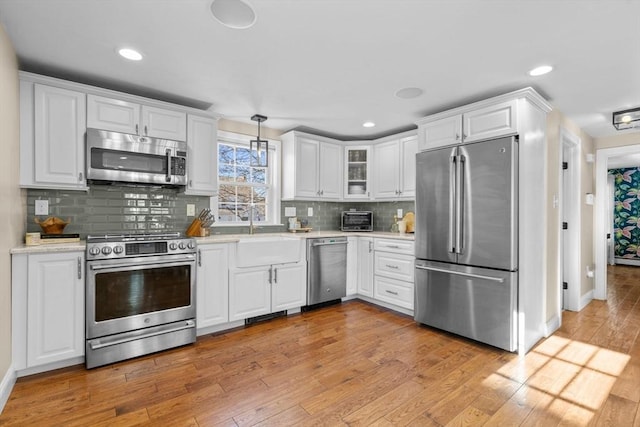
(134, 293)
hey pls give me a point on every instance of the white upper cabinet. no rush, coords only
(312, 168)
(356, 172)
(394, 168)
(202, 168)
(123, 116)
(52, 127)
(490, 122)
(487, 122)
(442, 132)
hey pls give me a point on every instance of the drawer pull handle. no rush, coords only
(393, 246)
(395, 267)
(391, 292)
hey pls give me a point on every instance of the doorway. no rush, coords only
(570, 223)
(602, 226)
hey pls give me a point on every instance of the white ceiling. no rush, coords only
(329, 65)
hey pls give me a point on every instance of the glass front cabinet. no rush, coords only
(357, 184)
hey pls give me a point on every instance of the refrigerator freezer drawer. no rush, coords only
(477, 303)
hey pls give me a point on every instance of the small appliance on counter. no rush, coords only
(356, 221)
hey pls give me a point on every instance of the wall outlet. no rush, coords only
(310, 211)
(42, 207)
(290, 211)
(191, 209)
(399, 213)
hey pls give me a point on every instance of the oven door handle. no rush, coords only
(189, 324)
(152, 263)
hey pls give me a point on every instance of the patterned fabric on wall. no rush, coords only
(626, 212)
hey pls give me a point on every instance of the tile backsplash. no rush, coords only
(115, 208)
(129, 209)
(326, 215)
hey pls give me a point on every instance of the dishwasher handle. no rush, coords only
(329, 243)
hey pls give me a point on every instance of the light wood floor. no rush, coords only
(357, 364)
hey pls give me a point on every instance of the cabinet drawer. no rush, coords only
(395, 266)
(393, 291)
(395, 246)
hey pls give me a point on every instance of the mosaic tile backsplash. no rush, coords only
(127, 209)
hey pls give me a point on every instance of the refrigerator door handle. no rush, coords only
(460, 273)
(452, 201)
(460, 204)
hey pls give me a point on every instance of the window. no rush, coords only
(244, 189)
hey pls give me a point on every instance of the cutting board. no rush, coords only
(410, 220)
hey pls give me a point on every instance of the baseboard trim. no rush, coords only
(552, 325)
(6, 386)
(585, 300)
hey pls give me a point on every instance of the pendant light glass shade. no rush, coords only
(259, 148)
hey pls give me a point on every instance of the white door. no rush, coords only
(213, 285)
(249, 293)
(288, 286)
(331, 171)
(352, 265)
(307, 158)
(55, 314)
(60, 125)
(409, 149)
(440, 133)
(490, 122)
(202, 169)
(365, 266)
(386, 163)
(161, 123)
(113, 114)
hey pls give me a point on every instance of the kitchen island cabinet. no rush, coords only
(47, 311)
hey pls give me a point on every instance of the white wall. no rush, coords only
(12, 199)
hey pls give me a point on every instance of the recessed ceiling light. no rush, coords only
(539, 71)
(409, 92)
(237, 14)
(368, 124)
(130, 54)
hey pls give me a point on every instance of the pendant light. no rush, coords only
(261, 145)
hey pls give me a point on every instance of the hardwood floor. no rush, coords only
(357, 364)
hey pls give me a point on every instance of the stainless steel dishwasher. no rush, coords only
(326, 269)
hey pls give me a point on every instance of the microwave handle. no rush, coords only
(168, 177)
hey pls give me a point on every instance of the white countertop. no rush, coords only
(218, 238)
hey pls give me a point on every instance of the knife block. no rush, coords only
(196, 229)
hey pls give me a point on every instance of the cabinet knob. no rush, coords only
(457, 137)
(145, 130)
(80, 175)
(137, 130)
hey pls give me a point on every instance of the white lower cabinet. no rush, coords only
(393, 272)
(212, 305)
(365, 266)
(48, 308)
(393, 291)
(352, 266)
(255, 291)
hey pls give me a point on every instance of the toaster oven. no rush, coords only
(357, 221)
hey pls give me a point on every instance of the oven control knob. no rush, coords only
(118, 250)
(182, 246)
(173, 246)
(94, 250)
(191, 245)
(106, 250)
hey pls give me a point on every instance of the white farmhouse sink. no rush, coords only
(256, 250)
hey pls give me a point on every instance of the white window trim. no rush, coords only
(274, 166)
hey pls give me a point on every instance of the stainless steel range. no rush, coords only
(140, 295)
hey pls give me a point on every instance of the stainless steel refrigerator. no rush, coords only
(466, 240)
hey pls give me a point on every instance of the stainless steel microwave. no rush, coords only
(121, 157)
(357, 221)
